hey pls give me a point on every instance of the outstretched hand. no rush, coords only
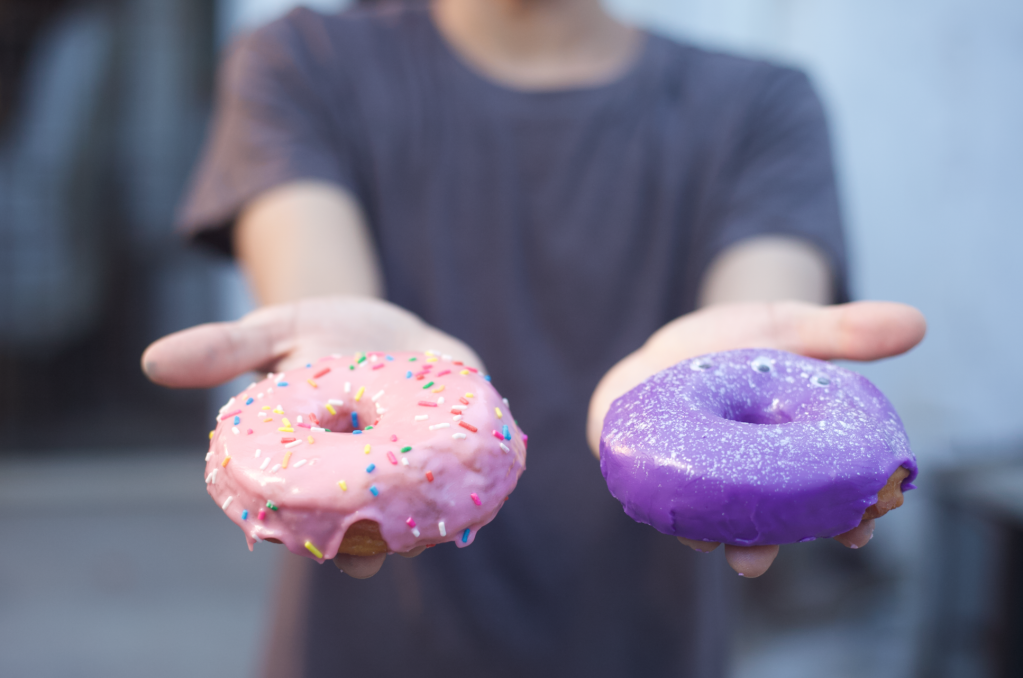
(866, 330)
(277, 338)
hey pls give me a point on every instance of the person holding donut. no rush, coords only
(570, 201)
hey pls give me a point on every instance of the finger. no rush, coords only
(750, 561)
(864, 330)
(414, 552)
(359, 567)
(701, 546)
(212, 354)
(858, 536)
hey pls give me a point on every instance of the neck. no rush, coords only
(538, 44)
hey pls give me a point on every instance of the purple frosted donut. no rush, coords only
(753, 446)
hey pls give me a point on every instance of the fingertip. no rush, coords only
(751, 561)
(150, 361)
(413, 552)
(701, 546)
(880, 329)
(359, 567)
(908, 323)
(859, 536)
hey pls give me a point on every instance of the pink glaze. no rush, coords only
(471, 472)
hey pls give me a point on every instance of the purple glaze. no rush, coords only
(753, 446)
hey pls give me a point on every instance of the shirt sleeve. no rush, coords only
(271, 124)
(777, 176)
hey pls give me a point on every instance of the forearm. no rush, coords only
(307, 239)
(768, 268)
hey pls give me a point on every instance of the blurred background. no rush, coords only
(103, 107)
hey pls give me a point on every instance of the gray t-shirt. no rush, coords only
(554, 232)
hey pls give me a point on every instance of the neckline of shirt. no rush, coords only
(629, 74)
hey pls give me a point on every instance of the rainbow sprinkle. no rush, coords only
(465, 536)
(407, 448)
(343, 485)
(313, 550)
(475, 498)
(245, 514)
(373, 489)
(369, 469)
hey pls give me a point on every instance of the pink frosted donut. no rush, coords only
(417, 443)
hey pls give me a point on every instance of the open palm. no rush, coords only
(856, 331)
(277, 338)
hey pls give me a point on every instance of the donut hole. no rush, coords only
(758, 412)
(342, 421)
(764, 417)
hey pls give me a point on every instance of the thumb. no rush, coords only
(211, 354)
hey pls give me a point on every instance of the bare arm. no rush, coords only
(307, 239)
(768, 268)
